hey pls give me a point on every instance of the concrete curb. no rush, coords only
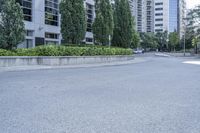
(162, 55)
(40, 67)
(9, 61)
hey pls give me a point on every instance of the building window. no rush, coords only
(90, 16)
(29, 33)
(159, 19)
(159, 9)
(51, 42)
(158, 3)
(27, 9)
(29, 43)
(51, 12)
(51, 35)
(159, 14)
(158, 24)
(89, 40)
(159, 30)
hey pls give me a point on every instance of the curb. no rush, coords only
(162, 55)
(39, 67)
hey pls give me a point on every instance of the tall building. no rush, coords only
(142, 10)
(159, 15)
(182, 15)
(42, 22)
(169, 15)
(42, 19)
(90, 15)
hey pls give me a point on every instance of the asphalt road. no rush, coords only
(160, 95)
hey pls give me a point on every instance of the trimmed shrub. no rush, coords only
(52, 50)
(4, 52)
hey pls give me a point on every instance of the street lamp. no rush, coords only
(184, 40)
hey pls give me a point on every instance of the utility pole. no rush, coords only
(109, 41)
(184, 40)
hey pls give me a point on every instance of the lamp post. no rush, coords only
(109, 41)
(184, 40)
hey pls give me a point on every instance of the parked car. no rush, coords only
(138, 51)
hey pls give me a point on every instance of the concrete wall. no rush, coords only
(7, 61)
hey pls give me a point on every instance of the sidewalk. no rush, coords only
(162, 54)
(40, 67)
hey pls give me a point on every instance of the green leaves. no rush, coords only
(173, 40)
(124, 24)
(149, 40)
(103, 24)
(73, 21)
(136, 40)
(12, 30)
(53, 50)
(162, 38)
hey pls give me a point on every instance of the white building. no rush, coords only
(143, 12)
(170, 15)
(159, 15)
(90, 15)
(42, 19)
(42, 22)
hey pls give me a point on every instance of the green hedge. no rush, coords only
(52, 50)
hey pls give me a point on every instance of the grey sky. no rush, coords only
(192, 3)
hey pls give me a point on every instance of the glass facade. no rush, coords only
(51, 12)
(139, 16)
(149, 15)
(90, 16)
(27, 9)
(173, 15)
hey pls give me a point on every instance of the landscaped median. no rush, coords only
(63, 55)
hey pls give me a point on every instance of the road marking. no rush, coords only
(192, 62)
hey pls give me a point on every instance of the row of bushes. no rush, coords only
(53, 50)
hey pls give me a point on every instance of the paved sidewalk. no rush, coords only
(162, 55)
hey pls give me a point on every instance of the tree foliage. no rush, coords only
(173, 40)
(123, 24)
(194, 16)
(12, 30)
(162, 39)
(1, 4)
(193, 27)
(103, 24)
(136, 40)
(73, 20)
(149, 41)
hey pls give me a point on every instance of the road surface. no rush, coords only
(159, 95)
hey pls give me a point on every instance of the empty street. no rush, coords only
(157, 95)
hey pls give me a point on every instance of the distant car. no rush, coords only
(138, 51)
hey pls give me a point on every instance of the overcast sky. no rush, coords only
(192, 3)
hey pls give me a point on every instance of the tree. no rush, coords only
(173, 40)
(189, 35)
(193, 29)
(12, 29)
(149, 41)
(136, 40)
(1, 4)
(73, 21)
(194, 16)
(162, 39)
(195, 41)
(103, 24)
(123, 24)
